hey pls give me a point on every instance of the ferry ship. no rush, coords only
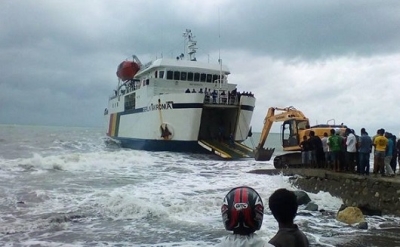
(180, 105)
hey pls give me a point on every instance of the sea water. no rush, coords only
(64, 186)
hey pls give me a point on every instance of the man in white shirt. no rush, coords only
(325, 147)
(351, 148)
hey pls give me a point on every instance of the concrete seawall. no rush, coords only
(374, 194)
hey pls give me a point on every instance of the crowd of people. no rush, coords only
(243, 211)
(348, 152)
(220, 96)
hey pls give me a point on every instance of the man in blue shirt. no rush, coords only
(364, 150)
(389, 154)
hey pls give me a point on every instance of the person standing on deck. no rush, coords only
(317, 151)
(388, 155)
(214, 95)
(364, 150)
(305, 148)
(325, 147)
(351, 150)
(398, 151)
(335, 142)
(373, 141)
(393, 162)
(380, 143)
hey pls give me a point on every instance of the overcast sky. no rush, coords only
(332, 59)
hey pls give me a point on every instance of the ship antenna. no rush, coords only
(219, 50)
(191, 44)
(219, 38)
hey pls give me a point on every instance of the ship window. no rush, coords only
(203, 77)
(183, 76)
(147, 82)
(215, 78)
(155, 74)
(190, 76)
(161, 74)
(177, 75)
(196, 77)
(209, 78)
(170, 75)
(130, 101)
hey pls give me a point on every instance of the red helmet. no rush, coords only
(242, 210)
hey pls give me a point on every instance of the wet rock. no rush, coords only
(363, 225)
(342, 207)
(301, 213)
(21, 204)
(350, 215)
(311, 207)
(367, 210)
(302, 197)
(66, 218)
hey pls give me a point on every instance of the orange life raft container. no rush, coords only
(127, 70)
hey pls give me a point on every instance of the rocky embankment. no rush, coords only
(373, 195)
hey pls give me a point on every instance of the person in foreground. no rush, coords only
(283, 205)
(242, 212)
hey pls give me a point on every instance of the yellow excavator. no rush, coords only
(295, 126)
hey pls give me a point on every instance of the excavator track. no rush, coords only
(289, 160)
(283, 161)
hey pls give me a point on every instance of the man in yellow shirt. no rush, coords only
(380, 143)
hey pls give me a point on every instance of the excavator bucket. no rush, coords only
(263, 154)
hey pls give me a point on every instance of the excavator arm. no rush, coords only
(267, 127)
(262, 154)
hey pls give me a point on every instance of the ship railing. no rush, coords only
(221, 99)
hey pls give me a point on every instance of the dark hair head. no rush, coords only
(363, 131)
(333, 131)
(325, 134)
(312, 133)
(283, 205)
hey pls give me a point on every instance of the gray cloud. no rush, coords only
(58, 58)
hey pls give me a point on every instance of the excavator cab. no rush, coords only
(290, 133)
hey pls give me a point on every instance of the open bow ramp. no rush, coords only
(227, 151)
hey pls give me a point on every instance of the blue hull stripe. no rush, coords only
(161, 145)
(187, 105)
(181, 106)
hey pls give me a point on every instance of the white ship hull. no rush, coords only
(187, 118)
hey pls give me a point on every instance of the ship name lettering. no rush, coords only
(154, 107)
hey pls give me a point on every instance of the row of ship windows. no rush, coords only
(189, 76)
